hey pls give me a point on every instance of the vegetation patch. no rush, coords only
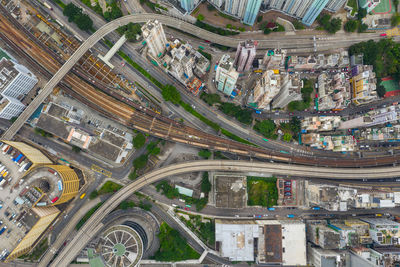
(329, 24)
(306, 92)
(173, 247)
(37, 251)
(213, 29)
(74, 14)
(262, 191)
(87, 216)
(204, 230)
(384, 55)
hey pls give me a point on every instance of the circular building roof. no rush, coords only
(121, 246)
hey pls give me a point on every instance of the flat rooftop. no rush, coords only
(273, 243)
(230, 191)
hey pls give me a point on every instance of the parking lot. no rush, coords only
(13, 215)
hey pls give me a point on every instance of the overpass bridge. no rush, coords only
(94, 224)
(336, 41)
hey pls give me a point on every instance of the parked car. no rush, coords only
(288, 194)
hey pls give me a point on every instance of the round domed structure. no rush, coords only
(121, 245)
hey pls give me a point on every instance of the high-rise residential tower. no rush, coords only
(235, 7)
(226, 75)
(313, 11)
(251, 11)
(153, 34)
(245, 53)
(188, 5)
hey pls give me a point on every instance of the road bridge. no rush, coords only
(336, 41)
(90, 228)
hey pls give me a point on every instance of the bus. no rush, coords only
(47, 5)
(266, 140)
(284, 152)
(201, 47)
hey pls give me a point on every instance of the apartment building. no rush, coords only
(363, 84)
(226, 76)
(153, 34)
(245, 54)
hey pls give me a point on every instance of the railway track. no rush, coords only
(129, 113)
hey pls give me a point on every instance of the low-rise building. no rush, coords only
(333, 91)
(337, 143)
(383, 231)
(235, 240)
(319, 257)
(363, 84)
(66, 122)
(275, 59)
(380, 116)
(320, 124)
(280, 242)
(321, 235)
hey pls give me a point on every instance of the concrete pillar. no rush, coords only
(112, 51)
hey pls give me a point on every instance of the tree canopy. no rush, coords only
(330, 25)
(170, 93)
(351, 25)
(74, 13)
(266, 128)
(139, 140)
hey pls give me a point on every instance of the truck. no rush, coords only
(28, 166)
(290, 216)
(316, 208)
(3, 230)
(271, 209)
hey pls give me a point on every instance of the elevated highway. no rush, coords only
(93, 225)
(336, 41)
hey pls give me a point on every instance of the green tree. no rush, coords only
(140, 162)
(362, 13)
(139, 140)
(395, 19)
(204, 153)
(170, 93)
(259, 19)
(267, 31)
(362, 27)
(76, 149)
(93, 194)
(173, 247)
(84, 22)
(124, 205)
(114, 13)
(287, 137)
(351, 25)
(153, 149)
(205, 184)
(13, 119)
(200, 17)
(381, 90)
(298, 25)
(71, 11)
(266, 128)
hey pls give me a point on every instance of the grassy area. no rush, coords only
(173, 247)
(353, 4)
(87, 216)
(109, 187)
(204, 230)
(262, 191)
(37, 251)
